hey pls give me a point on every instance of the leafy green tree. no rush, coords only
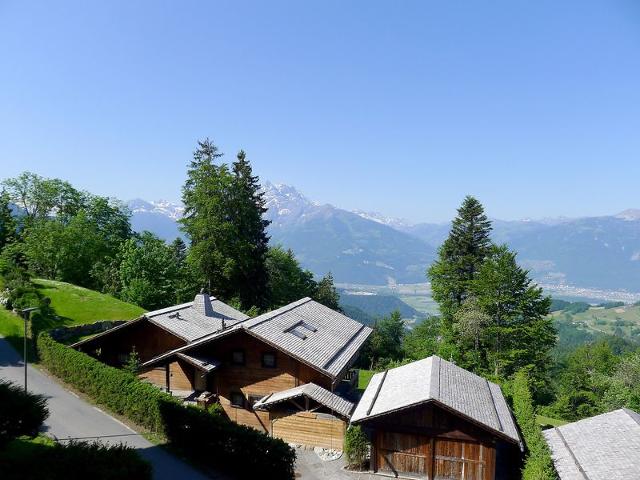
(288, 282)
(470, 328)
(327, 294)
(251, 244)
(623, 390)
(7, 222)
(385, 342)
(459, 258)
(148, 272)
(423, 340)
(520, 333)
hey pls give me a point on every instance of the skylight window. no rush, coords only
(302, 329)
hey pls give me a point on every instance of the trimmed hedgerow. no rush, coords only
(205, 437)
(538, 464)
(212, 439)
(115, 389)
(74, 460)
(356, 448)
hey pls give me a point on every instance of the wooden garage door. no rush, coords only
(402, 453)
(315, 430)
(459, 460)
(410, 455)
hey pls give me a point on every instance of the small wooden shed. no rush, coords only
(432, 419)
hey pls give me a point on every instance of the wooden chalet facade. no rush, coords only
(431, 419)
(277, 372)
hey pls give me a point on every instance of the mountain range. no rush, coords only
(361, 247)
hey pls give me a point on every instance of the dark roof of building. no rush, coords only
(436, 380)
(324, 339)
(603, 447)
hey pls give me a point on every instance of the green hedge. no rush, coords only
(74, 461)
(538, 464)
(115, 389)
(212, 439)
(207, 438)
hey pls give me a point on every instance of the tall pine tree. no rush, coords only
(459, 258)
(252, 244)
(7, 222)
(327, 294)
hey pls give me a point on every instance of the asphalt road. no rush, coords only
(73, 418)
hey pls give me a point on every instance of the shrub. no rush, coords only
(212, 439)
(538, 464)
(356, 447)
(75, 460)
(21, 413)
(115, 389)
(206, 437)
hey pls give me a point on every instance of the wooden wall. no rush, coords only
(433, 443)
(148, 340)
(312, 429)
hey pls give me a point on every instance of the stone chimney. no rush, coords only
(202, 304)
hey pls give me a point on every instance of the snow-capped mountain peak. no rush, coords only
(169, 209)
(630, 215)
(378, 217)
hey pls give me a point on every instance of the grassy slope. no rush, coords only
(364, 377)
(73, 306)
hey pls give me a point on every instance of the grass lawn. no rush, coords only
(548, 421)
(73, 306)
(364, 377)
(77, 305)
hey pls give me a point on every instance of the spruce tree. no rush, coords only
(460, 257)
(252, 242)
(327, 294)
(206, 220)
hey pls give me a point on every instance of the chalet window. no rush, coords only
(269, 360)
(237, 357)
(237, 399)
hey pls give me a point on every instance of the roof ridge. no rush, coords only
(434, 381)
(575, 460)
(632, 414)
(343, 348)
(279, 311)
(375, 396)
(493, 404)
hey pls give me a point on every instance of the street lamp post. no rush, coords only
(26, 313)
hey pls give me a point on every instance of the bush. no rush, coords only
(75, 460)
(206, 437)
(115, 389)
(213, 440)
(538, 464)
(356, 448)
(21, 413)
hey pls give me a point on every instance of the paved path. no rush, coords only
(72, 417)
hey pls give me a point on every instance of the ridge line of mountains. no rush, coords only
(361, 247)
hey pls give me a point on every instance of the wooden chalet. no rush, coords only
(280, 372)
(432, 419)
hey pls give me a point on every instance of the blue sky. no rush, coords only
(399, 107)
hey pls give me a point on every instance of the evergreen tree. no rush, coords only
(288, 281)
(7, 222)
(327, 294)
(207, 220)
(252, 242)
(520, 334)
(460, 257)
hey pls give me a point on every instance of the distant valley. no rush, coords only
(594, 256)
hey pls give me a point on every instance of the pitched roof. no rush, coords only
(193, 320)
(436, 380)
(602, 447)
(311, 390)
(316, 335)
(203, 363)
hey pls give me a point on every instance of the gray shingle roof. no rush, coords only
(317, 335)
(603, 447)
(311, 390)
(436, 380)
(203, 363)
(193, 320)
(307, 330)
